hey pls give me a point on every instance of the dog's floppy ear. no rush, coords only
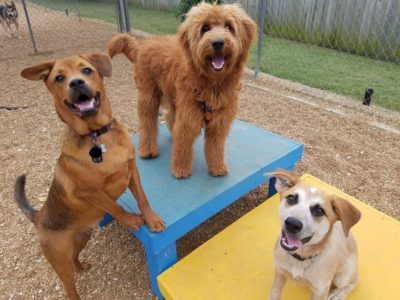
(346, 213)
(248, 28)
(101, 62)
(38, 72)
(183, 36)
(284, 179)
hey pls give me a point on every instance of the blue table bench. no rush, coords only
(186, 203)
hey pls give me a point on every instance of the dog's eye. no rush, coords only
(205, 28)
(59, 78)
(292, 199)
(87, 71)
(229, 27)
(317, 211)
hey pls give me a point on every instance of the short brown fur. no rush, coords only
(176, 71)
(82, 191)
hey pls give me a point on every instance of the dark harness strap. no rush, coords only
(207, 111)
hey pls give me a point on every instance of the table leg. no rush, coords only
(159, 262)
(107, 219)
(271, 187)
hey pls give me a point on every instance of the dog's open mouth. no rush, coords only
(218, 62)
(85, 106)
(291, 243)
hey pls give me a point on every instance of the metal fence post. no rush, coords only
(29, 26)
(127, 21)
(261, 23)
(77, 9)
(123, 16)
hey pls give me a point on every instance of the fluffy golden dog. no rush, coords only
(195, 74)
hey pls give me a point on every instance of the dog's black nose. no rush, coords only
(218, 44)
(76, 83)
(293, 225)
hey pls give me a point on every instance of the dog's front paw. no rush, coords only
(340, 293)
(133, 221)
(335, 297)
(155, 223)
(82, 266)
(221, 170)
(181, 173)
(148, 152)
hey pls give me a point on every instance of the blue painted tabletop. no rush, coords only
(185, 203)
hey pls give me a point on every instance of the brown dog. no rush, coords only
(196, 76)
(85, 185)
(315, 247)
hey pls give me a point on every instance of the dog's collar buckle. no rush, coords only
(301, 258)
(206, 110)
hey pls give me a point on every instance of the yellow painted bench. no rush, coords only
(237, 263)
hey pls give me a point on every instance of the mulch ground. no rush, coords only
(345, 144)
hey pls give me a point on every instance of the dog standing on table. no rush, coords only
(8, 16)
(196, 76)
(96, 165)
(315, 247)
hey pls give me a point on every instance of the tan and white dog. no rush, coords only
(315, 247)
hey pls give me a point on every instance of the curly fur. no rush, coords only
(177, 71)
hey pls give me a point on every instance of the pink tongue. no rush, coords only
(218, 62)
(293, 241)
(86, 105)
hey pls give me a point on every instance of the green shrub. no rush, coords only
(185, 5)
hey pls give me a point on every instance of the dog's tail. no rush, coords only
(21, 200)
(123, 43)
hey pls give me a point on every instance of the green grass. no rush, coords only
(149, 20)
(315, 66)
(331, 70)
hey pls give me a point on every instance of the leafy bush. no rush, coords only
(185, 5)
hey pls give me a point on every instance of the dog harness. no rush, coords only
(206, 110)
(96, 152)
(301, 258)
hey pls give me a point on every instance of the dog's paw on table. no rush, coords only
(221, 170)
(133, 221)
(181, 173)
(155, 223)
(148, 152)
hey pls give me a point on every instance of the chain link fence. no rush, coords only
(58, 25)
(344, 46)
(350, 47)
(361, 27)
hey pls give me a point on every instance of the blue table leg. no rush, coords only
(107, 219)
(159, 262)
(271, 187)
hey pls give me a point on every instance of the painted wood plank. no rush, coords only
(184, 204)
(237, 263)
